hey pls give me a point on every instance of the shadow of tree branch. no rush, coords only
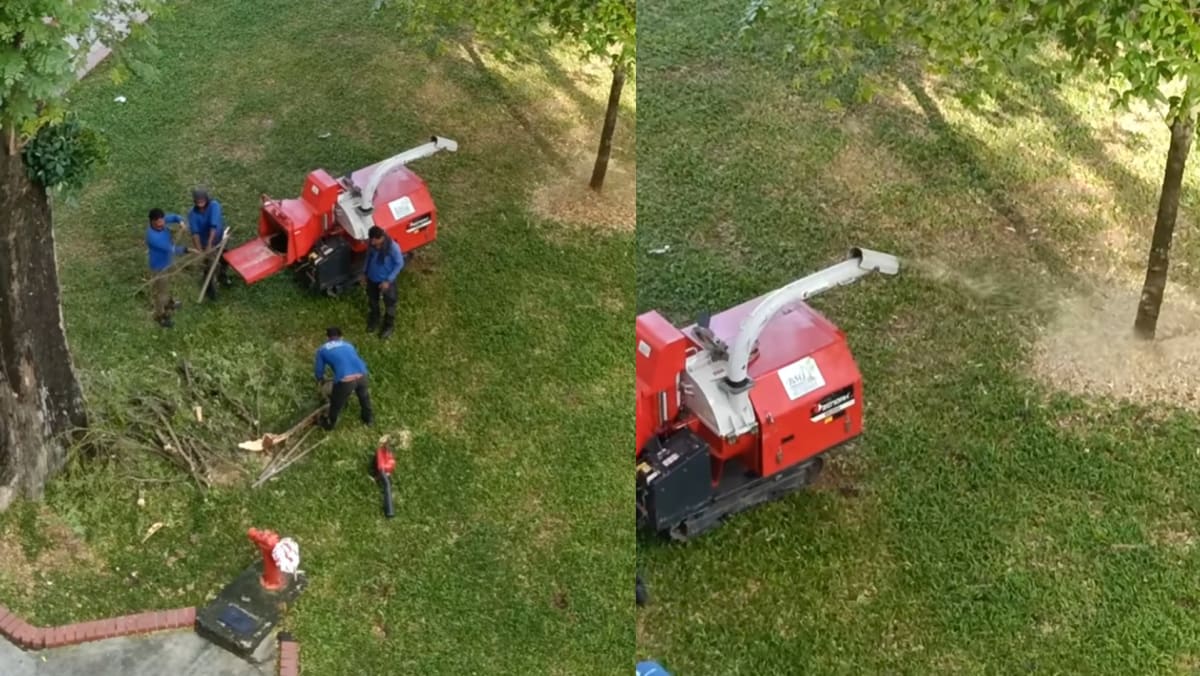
(514, 109)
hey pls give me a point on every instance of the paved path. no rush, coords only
(173, 653)
(98, 52)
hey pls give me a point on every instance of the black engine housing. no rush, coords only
(331, 268)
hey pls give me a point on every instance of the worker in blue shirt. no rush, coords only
(349, 375)
(162, 249)
(384, 262)
(206, 220)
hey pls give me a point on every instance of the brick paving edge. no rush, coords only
(289, 655)
(14, 628)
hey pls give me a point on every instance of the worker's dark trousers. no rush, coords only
(389, 300)
(341, 394)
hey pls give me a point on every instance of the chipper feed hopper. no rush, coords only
(739, 408)
(322, 235)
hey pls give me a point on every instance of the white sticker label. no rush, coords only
(401, 208)
(801, 377)
(286, 554)
(644, 348)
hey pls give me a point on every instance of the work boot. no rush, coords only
(389, 325)
(166, 322)
(372, 322)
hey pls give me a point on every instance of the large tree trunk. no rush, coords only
(1164, 227)
(40, 398)
(610, 125)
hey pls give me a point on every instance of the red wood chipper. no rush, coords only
(322, 235)
(739, 408)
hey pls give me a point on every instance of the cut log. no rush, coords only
(268, 441)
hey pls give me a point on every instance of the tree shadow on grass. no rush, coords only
(960, 148)
(564, 82)
(514, 108)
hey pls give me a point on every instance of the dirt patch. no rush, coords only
(450, 411)
(438, 93)
(64, 550)
(1078, 192)
(18, 570)
(1089, 348)
(612, 303)
(864, 170)
(722, 239)
(1187, 664)
(567, 199)
(226, 474)
(1175, 539)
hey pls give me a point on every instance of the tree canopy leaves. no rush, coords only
(1139, 46)
(521, 28)
(43, 45)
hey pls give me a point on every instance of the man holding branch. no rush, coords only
(162, 249)
(207, 223)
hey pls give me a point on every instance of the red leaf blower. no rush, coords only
(385, 463)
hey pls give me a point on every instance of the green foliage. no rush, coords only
(604, 28)
(41, 51)
(1140, 48)
(63, 154)
(520, 29)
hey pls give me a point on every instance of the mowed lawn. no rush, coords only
(988, 521)
(510, 551)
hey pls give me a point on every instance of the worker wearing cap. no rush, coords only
(384, 262)
(162, 249)
(349, 376)
(207, 223)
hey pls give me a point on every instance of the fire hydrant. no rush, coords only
(279, 556)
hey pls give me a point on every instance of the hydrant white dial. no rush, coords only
(286, 554)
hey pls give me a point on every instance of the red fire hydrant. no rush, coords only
(272, 577)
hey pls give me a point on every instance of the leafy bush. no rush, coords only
(63, 154)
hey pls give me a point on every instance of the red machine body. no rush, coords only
(791, 430)
(290, 231)
(738, 409)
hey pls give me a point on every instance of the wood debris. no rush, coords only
(152, 530)
(193, 425)
(268, 442)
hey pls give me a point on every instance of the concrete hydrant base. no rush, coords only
(245, 615)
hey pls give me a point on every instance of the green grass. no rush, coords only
(985, 523)
(510, 550)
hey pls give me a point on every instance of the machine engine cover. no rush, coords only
(674, 479)
(331, 266)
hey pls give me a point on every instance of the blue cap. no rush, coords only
(651, 669)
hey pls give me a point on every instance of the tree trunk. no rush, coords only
(40, 398)
(610, 125)
(1164, 227)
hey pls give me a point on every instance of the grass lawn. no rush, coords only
(992, 519)
(510, 549)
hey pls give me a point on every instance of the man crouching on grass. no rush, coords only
(349, 375)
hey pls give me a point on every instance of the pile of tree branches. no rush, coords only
(194, 418)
